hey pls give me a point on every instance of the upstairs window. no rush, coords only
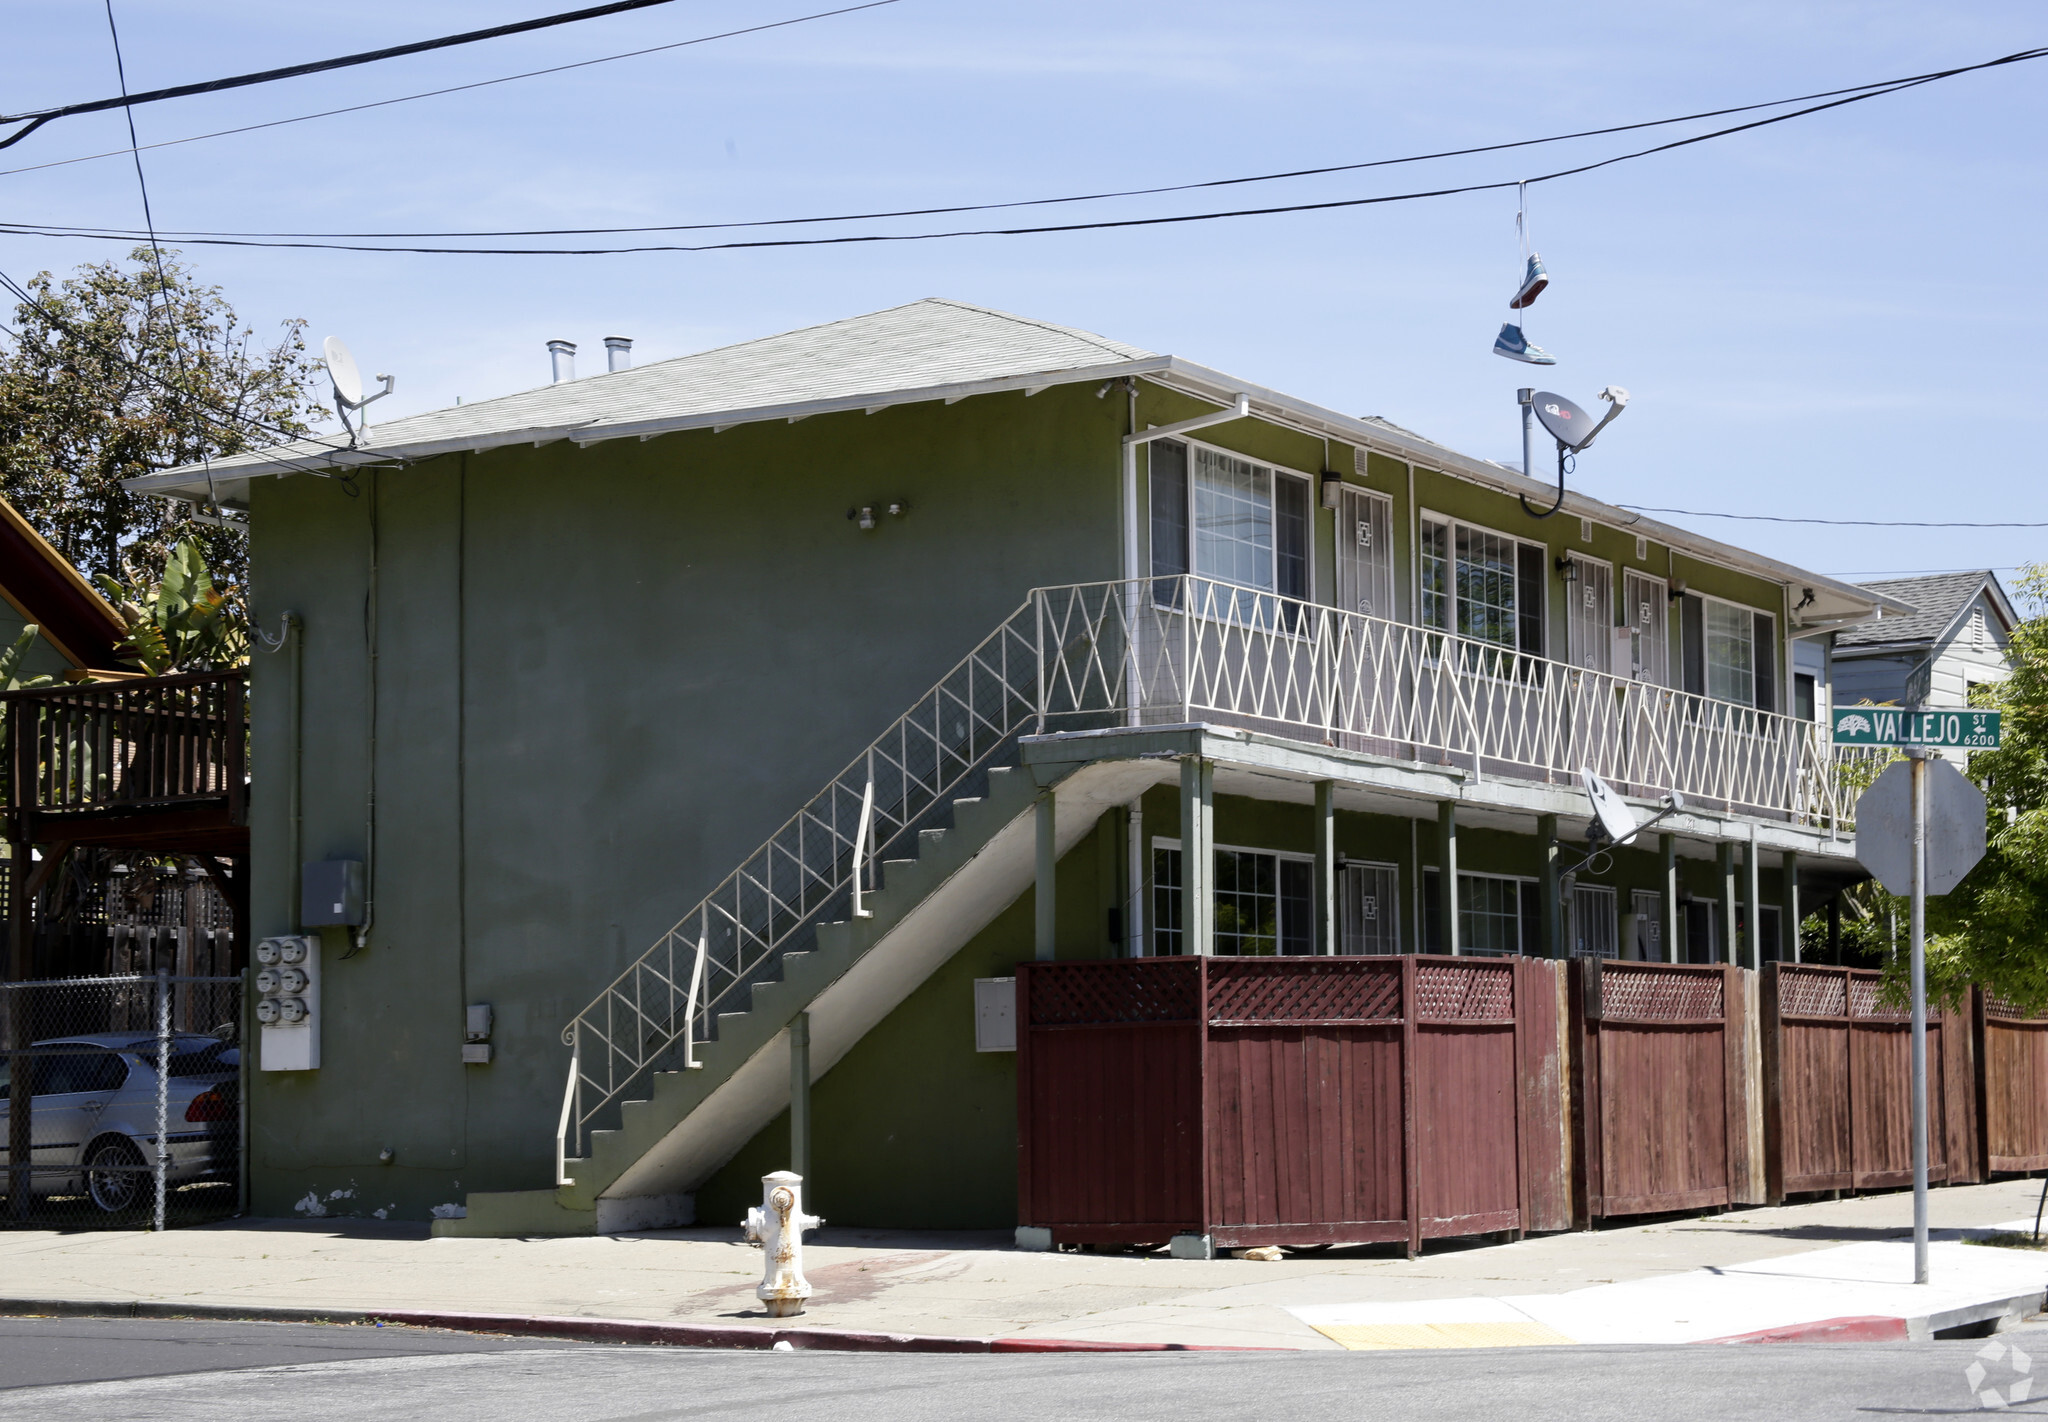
(1229, 519)
(1482, 585)
(1730, 652)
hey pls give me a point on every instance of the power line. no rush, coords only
(1102, 225)
(461, 88)
(1836, 522)
(1856, 92)
(36, 118)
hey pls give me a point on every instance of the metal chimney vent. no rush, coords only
(563, 356)
(618, 353)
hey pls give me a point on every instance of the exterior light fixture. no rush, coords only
(1333, 486)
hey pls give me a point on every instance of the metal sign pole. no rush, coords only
(1919, 973)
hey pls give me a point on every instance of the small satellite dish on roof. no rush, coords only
(1570, 426)
(1567, 423)
(348, 386)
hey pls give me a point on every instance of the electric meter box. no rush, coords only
(287, 984)
(331, 892)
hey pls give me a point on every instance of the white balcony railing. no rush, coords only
(1168, 650)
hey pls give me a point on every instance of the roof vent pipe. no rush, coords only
(563, 356)
(618, 353)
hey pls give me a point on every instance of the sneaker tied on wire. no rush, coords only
(1512, 344)
(1533, 282)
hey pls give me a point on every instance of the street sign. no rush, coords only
(1955, 827)
(1892, 726)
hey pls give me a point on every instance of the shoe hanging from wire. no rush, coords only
(1511, 342)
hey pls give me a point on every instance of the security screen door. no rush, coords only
(1369, 909)
(1644, 604)
(1365, 553)
(1591, 628)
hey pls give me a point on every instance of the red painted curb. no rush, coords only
(1862, 1328)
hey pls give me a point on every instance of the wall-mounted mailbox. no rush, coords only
(331, 892)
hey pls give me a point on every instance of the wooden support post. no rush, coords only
(1326, 869)
(1197, 856)
(1551, 890)
(1788, 910)
(1752, 902)
(1044, 895)
(1668, 843)
(1447, 873)
(800, 1101)
(1724, 862)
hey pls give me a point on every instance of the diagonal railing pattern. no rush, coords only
(1175, 650)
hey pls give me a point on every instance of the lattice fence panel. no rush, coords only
(1808, 992)
(1653, 995)
(1245, 992)
(1447, 992)
(1086, 994)
(1996, 1006)
(1865, 1001)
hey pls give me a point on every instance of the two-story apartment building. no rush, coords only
(1093, 651)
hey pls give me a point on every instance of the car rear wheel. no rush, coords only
(114, 1177)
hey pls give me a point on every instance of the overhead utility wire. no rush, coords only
(1836, 522)
(460, 88)
(36, 118)
(1073, 226)
(1862, 90)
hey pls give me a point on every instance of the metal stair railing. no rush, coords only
(1172, 650)
(807, 868)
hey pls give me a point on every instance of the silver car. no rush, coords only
(93, 1114)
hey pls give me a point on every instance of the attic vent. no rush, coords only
(1358, 460)
(1978, 635)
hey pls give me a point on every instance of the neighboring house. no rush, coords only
(1955, 640)
(79, 631)
(577, 662)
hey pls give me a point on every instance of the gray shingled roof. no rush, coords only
(926, 343)
(1939, 596)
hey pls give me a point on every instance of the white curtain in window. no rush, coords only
(1731, 653)
(1233, 501)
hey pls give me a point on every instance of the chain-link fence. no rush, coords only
(121, 1102)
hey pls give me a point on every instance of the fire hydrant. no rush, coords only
(776, 1226)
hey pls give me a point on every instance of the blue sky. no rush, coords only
(1840, 316)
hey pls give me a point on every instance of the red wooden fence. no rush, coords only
(2012, 1085)
(1662, 1114)
(1289, 1100)
(1837, 1074)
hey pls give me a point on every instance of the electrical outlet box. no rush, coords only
(476, 1025)
(331, 892)
(476, 1053)
(995, 1014)
(287, 983)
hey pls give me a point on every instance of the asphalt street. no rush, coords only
(57, 1369)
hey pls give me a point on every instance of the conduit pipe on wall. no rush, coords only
(1239, 409)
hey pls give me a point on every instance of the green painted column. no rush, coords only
(1668, 843)
(1326, 869)
(1197, 856)
(1724, 861)
(800, 1103)
(1752, 902)
(1788, 910)
(1553, 904)
(1045, 893)
(1447, 874)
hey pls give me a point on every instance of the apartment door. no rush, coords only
(1590, 630)
(1369, 909)
(1647, 905)
(1592, 929)
(1644, 603)
(1365, 553)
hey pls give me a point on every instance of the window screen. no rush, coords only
(1233, 520)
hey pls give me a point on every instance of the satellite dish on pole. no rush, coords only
(341, 369)
(1611, 815)
(1568, 424)
(348, 386)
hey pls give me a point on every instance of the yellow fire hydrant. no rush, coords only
(776, 1226)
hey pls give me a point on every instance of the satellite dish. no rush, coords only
(1611, 814)
(341, 369)
(1567, 423)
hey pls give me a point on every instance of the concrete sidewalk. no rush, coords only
(1679, 1280)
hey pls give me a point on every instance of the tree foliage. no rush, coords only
(114, 374)
(181, 622)
(1992, 929)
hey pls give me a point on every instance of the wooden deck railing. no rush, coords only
(108, 746)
